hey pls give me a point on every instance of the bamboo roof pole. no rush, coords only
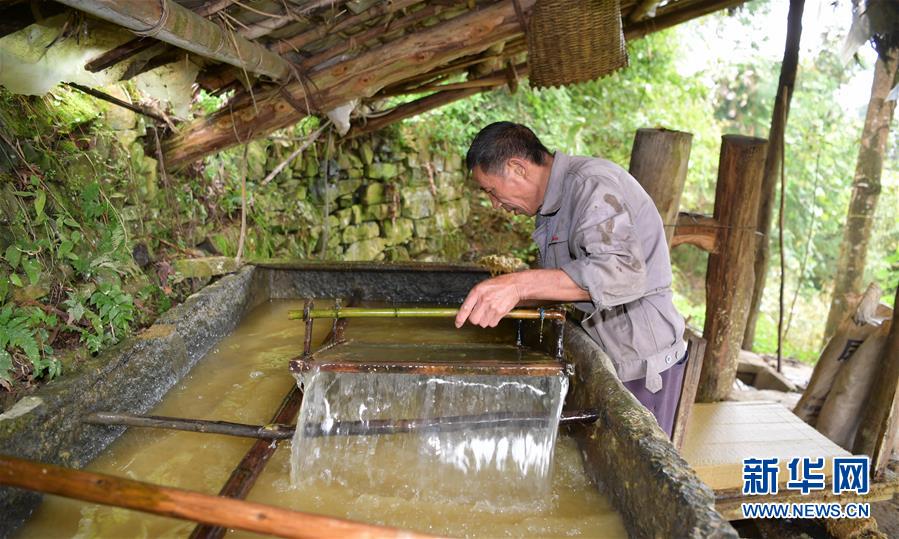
(168, 21)
(180, 503)
(139, 44)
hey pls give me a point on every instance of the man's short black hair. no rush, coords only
(501, 141)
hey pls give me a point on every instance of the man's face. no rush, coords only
(511, 190)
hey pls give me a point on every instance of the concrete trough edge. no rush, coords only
(130, 377)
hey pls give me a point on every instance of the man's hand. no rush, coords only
(489, 301)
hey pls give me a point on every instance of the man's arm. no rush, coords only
(492, 299)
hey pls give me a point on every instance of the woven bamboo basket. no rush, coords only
(571, 41)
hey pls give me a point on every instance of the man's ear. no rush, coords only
(518, 166)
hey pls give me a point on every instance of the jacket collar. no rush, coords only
(552, 198)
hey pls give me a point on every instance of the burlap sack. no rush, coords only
(841, 413)
(845, 342)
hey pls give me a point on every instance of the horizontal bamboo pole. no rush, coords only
(415, 312)
(276, 431)
(373, 427)
(179, 503)
(339, 428)
(433, 368)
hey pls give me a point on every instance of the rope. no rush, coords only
(165, 10)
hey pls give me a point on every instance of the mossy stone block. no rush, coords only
(418, 203)
(398, 231)
(364, 231)
(370, 249)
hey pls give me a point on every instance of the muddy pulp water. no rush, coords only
(243, 380)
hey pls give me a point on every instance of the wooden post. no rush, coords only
(877, 430)
(179, 503)
(659, 160)
(170, 22)
(695, 352)
(730, 275)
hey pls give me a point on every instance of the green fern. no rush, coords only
(16, 333)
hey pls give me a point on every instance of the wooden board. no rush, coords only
(720, 435)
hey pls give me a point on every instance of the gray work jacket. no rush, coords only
(599, 226)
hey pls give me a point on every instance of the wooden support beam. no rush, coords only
(675, 13)
(435, 100)
(251, 465)
(877, 431)
(179, 503)
(490, 81)
(698, 230)
(413, 108)
(361, 76)
(512, 48)
(729, 276)
(168, 21)
(643, 9)
(659, 159)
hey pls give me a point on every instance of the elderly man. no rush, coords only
(602, 246)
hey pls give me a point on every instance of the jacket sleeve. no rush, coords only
(608, 258)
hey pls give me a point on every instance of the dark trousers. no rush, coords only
(662, 404)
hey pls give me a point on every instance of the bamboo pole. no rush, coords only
(281, 431)
(180, 503)
(272, 431)
(414, 312)
(172, 23)
(455, 368)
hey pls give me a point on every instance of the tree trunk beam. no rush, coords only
(659, 159)
(729, 276)
(179, 503)
(361, 76)
(698, 230)
(168, 21)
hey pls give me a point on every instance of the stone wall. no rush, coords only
(386, 198)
